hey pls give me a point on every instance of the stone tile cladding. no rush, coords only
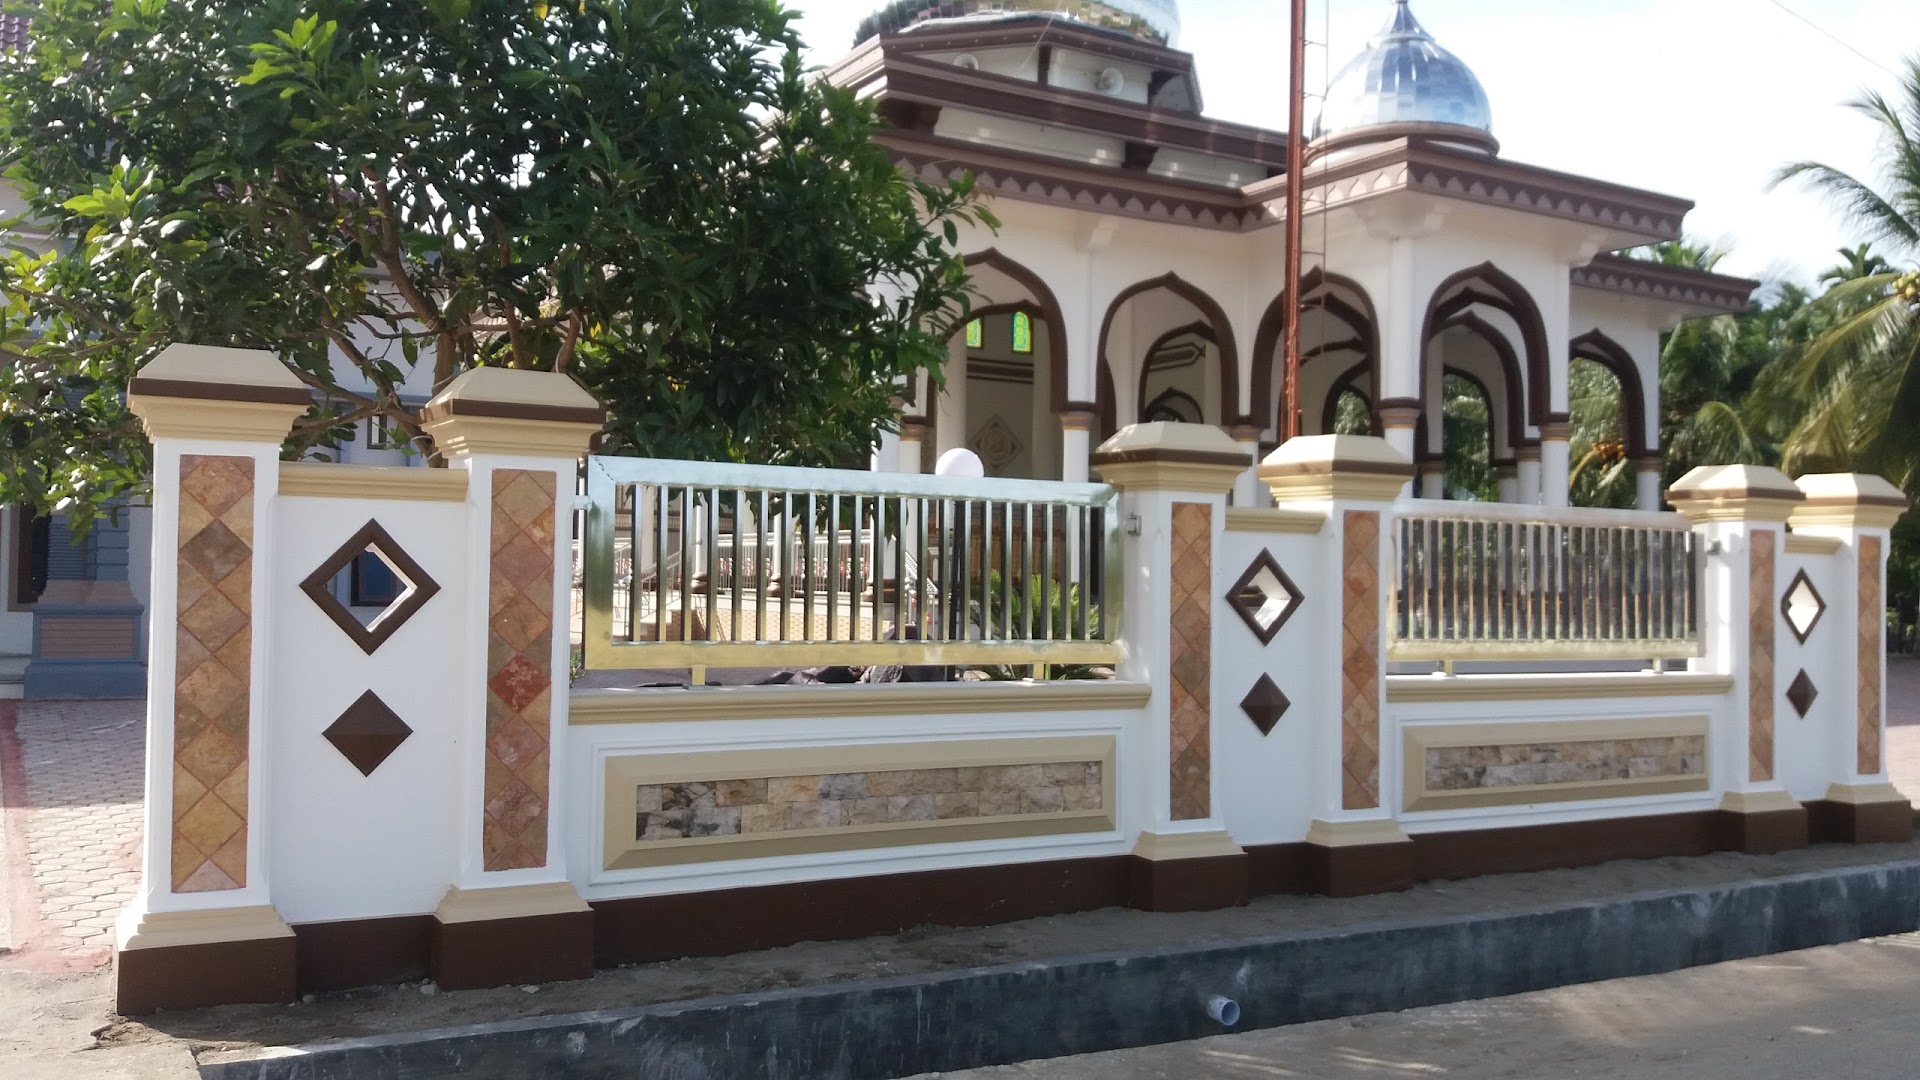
(1471, 768)
(212, 680)
(1360, 660)
(519, 670)
(1871, 612)
(789, 803)
(1760, 615)
(1190, 699)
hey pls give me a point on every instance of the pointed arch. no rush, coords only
(1043, 298)
(1211, 312)
(1503, 293)
(1273, 323)
(1603, 350)
(1509, 374)
(1348, 380)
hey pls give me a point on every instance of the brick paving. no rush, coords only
(72, 774)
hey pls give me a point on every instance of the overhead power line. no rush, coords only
(1833, 37)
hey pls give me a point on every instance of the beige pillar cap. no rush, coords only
(1856, 500)
(208, 392)
(1316, 468)
(1164, 456)
(513, 411)
(1734, 493)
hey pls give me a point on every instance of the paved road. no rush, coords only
(1848, 1011)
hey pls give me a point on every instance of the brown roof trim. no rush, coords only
(1184, 457)
(1040, 29)
(1857, 500)
(513, 410)
(1323, 468)
(1406, 129)
(206, 391)
(1683, 284)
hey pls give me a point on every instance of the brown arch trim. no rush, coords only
(1506, 295)
(1603, 350)
(1212, 313)
(1509, 374)
(1330, 408)
(1273, 323)
(1049, 309)
(1198, 329)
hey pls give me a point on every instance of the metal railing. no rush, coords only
(1486, 582)
(769, 566)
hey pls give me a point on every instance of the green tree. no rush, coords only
(654, 196)
(1602, 473)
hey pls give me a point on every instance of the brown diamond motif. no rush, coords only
(1265, 705)
(370, 636)
(1265, 597)
(367, 733)
(1802, 607)
(1802, 693)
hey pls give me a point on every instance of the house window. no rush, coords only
(379, 432)
(371, 582)
(1022, 332)
(976, 335)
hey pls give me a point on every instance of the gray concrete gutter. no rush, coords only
(993, 1015)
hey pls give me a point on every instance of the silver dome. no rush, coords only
(1403, 77)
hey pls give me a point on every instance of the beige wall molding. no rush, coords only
(1159, 847)
(508, 902)
(1804, 544)
(1759, 802)
(1197, 458)
(1363, 833)
(1417, 739)
(511, 411)
(207, 926)
(1254, 519)
(811, 702)
(321, 480)
(1408, 689)
(1316, 468)
(1864, 794)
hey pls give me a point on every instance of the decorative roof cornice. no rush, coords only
(1035, 30)
(1680, 284)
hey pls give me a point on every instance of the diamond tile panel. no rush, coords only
(1760, 655)
(1801, 606)
(1360, 661)
(1265, 597)
(1265, 704)
(212, 673)
(367, 733)
(519, 670)
(370, 636)
(1190, 699)
(1801, 693)
(1869, 629)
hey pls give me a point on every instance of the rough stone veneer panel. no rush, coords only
(1360, 661)
(1760, 652)
(1190, 699)
(675, 811)
(1470, 768)
(213, 663)
(519, 670)
(1871, 612)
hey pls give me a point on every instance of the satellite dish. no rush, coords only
(1109, 81)
(968, 61)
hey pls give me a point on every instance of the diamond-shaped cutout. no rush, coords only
(1265, 597)
(367, 733)
(1802, 606)
(416, 587)
(1265, 705)
(1801, 693)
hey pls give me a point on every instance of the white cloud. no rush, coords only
(1703, 99)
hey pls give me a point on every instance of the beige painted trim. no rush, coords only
(166, 929)
(807, 702)
(321, 480)
(1758, 802)
(1184, 476)
(1254, 519)
(1417, 739)
(201, 418)
(465, 436)
(1644, 649)
(1423, 688)
(1806, 544)
(1356, 833)
(622, 851)
(1864, 794)
(1326, 487)
(1159, 847)
(508, 902)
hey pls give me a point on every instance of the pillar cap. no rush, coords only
(209, 392)
(1853, 500)
(513, 411)
(1318, 468)
(1164, 456)
(1734, 493)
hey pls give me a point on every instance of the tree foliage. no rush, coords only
(651, 195)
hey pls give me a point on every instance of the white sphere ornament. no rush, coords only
(959, 461)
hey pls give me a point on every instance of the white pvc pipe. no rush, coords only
(1223, 1010)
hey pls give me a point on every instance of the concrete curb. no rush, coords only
(994, 1015)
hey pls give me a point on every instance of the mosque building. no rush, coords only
(1138, 271)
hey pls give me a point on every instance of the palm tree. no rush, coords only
(1860, 376)
(1856, 262)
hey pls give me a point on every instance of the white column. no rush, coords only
(913, 434)
(1507, 481)
(1527, 475)
(1554, 464)
(950, 409)
(1248, 490)
(1076, 431)
(1646, 479)
(1433, 481)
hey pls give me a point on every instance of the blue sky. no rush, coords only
(1698, 98)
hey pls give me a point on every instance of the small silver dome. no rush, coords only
(1403, 77)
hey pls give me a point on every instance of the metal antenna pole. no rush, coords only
(1296, 185)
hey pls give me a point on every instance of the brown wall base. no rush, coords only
(1845, 823)
(499, 952)
(1360, 869)
(194, 976)
(1764, 833)
(1446, 856)
(363, 952)
(1207, 884)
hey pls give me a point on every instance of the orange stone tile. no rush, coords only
(1871, 649)
(1360, 660)
(519, 675)
(1760, 629)
(1190, 666)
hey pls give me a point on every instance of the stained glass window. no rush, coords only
(976, 336)
(1022, 332)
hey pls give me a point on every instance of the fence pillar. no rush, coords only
(1354, 846)
(1740, 512)
(1860, 806)
(513, 915)
(203, 929)
(1173, 480)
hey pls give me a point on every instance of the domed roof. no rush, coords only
(1156, 21)
(1404, 77)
